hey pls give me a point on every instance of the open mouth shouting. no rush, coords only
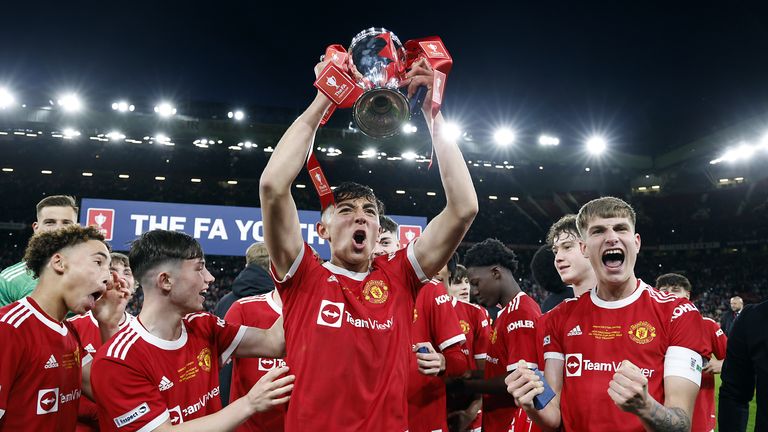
(93, 298)
(613, 258)
(358, 240)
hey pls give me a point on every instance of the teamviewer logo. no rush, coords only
(330, 314)
(573, 365)
(47, 401)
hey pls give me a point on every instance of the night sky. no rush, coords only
(651, 76)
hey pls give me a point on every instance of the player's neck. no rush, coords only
(584, 285)
(160, 321)
(361, 267)
(609, 292)
(508, 294)
(50, 301)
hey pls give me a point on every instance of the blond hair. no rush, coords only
(605, 207)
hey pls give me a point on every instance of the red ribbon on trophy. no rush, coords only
(433, 50)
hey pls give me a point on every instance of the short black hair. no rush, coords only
(452, 263)
(42, 246)
(159, 246)
(673, 279)
(386, 224)
(351, 190)
(491, 252)
(543, 269)
(57, 201)
(459, 275)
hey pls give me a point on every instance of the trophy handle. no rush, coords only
(417, 99)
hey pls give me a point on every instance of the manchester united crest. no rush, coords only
(465, 326)
(642, 332)
(204, 359)
(376, 291)
(415, 314)
(493, 336)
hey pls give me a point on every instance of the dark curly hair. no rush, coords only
(543, 268)
(491, 252)
(160, 246)
(352, 190)
(42, 246)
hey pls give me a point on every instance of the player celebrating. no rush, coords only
(623, 357)
(491, 267)
(43, 368)
(161, 371)
(704, 411)
(87, 329)
(347, 321)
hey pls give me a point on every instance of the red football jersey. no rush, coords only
(347, 340)
(656, 331)
(140, 381)
(259, 311)
(434, 321)
(704, 412)
(41, 363)
(87, 329)
(476, 325)
(513, 338)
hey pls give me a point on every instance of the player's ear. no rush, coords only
(163, 281)
(57, 263)
(495, 272)
(583, 248)
(323, 231)
(637, 241)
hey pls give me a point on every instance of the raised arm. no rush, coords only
(445, 232)
(282, 232)
(263, 343)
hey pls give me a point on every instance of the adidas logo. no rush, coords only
(90, 348)
(51, 363)
(165, 384)
(576, 331)
(332, 278)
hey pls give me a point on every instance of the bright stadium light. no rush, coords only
(742, 152)
(596, 145)
(70, 133)
(70, 102)
(6, 98)
(409, 155)
(451, 131)
(237, 115)
(165, 109)
(115, 136)
(123, 106)
(409, 128)
(547, 140)
(504, 136)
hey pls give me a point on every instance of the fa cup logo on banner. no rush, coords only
(103, 219)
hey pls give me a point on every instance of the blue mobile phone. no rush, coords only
(423, 350)
(540, 401)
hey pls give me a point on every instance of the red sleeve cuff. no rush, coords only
(456, 362)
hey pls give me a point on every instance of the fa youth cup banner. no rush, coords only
(221, 230)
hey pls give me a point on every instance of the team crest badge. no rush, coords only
(376, 292)
(415, 314)
(493, 336)
(642, 332)
(204, 359)
(464, 326)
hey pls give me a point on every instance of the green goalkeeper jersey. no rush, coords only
(16, 282)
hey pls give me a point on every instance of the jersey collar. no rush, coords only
(156, 341)
(618, 304)
(333, 268)
(43, 317)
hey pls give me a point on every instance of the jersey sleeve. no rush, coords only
(403, 267)
(717, 337)
(443, 323)
(550, 334)
(126, 398)
(11, 291)
(686, 343)
(520, 335)
(482, 334)
(10, 360)
(226, 336)
(290, 285)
